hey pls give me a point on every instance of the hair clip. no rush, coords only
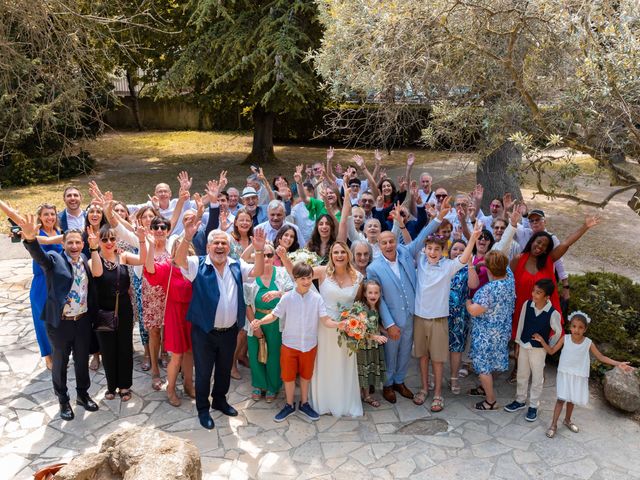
(582, 314)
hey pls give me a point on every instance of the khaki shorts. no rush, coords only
(431, 338)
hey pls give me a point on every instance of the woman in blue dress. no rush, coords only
(50, 238)
(459, 322)
(492, 309)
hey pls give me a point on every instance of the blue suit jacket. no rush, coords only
(59, 277)
(399, 297)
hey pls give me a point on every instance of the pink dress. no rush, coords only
(177, 331)
(153, 298)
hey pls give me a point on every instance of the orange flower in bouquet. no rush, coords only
(358, 323)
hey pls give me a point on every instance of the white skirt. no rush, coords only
(572, 388)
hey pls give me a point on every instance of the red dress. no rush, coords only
(524, 286)
(177, 331)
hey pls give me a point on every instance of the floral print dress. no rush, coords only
(153, 298)
(458, 316)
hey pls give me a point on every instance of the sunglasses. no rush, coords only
(441, 196)
(108, 240)
(366, 200)
(162, 227)
(484, 237)
(269, 255)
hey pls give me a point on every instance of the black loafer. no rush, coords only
(66, 413)
(86, 402)
(206, 421)
(227, 410)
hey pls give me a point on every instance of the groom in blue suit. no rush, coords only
(395, 271)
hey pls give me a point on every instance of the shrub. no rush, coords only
(18, 169)
(613, 303)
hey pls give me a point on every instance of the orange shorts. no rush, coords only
(294, 362)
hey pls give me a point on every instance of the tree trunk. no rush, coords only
(497, 173)
(262, 149)
(135, 108)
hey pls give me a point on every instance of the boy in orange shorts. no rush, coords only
(299, 311)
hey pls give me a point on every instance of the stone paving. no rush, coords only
(384, 443)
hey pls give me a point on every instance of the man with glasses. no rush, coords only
(440, 195)
(367, 202)
(70, 306)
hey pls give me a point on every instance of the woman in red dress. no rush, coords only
(177, 330)
(536, 262)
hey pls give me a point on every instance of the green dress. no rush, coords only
(371, 365)
(266, 377)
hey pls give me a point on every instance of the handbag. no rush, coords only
(262, 350)
(107, 320)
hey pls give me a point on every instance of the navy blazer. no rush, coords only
(59, 277)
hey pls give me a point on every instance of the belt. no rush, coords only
(262, 310)
(74, 318)
(225, 329)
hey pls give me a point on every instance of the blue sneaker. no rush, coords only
(284, 413)
(306, 409)
(514, 406)
(532, 415)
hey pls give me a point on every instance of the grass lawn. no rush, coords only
(130, 164)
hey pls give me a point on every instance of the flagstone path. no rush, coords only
(382, 444)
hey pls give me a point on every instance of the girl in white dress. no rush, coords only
(572, 381)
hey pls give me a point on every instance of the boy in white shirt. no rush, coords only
(430, 322)
(299, 311)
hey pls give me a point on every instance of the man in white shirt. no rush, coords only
(72, 217)
(276, 214)
(217, 311)
(426, 194)
(165, 204)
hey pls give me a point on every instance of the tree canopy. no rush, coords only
(548, 72)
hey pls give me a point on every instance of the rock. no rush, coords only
(622, 389)
(137, 453)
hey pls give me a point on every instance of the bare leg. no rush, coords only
(154, 350)
(187, 374)
(569, 412)
(455, 358)
(304, 390)
(437, 374)
(487, 384)
(289, 391)
(172, 375)
(556, 413)
(424, 372)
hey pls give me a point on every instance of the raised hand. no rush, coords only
(457, 233)
(259, 238)
(224, 223)
(330, 153)
(281, 252)
(212, 190)
(383, 173)
(515, 217)
(29, 225)
(477, 231)
(92, 239)
(359, 161)
(445, 208)
(142, 234)
(380, 202)
(261, 175)
(184, 180)
(592, 220)
(197, 198)
(397, 214)
(478, 192)
(431, 210)
(402, 183)
(507, 201)
(155, 201)
(377, 155)
(184, 195)
(191, 224)
(411, 159)
(297, 176)
(222, 180)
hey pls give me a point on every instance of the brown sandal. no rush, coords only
(156, 382)
(420, 397)
(173, 398)
(371, 401)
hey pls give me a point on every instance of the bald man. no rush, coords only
(166, 205)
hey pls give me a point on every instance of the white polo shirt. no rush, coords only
(299, 318)
(434, 285)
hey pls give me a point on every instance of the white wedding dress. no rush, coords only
(334, 385)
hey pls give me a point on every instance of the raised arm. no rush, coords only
(10, 212)
(29, 227)
(183, 197)
(560, 250)
(191, 225)
(359, 161)
(432, 226)
(265, 183)
(297, 177)
(95, 264)
(343, 225)
(411, 159)
(328, 170)
(466, 255)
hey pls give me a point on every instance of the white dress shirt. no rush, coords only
(305, 224)
(434, 285)
(227, 310)
(299, 318)
(271, 232)
(395, 267)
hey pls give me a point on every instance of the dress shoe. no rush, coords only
(206, 421)
(226, 409)
(86, 402)
(402, 389)
(66, 413)
(388, 394)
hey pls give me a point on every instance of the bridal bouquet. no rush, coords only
(305, 256)
(358, 322)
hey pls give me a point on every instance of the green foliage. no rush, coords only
(613, 303)
(19, 169)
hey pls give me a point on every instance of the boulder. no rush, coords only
(138, 453)
(622, 389)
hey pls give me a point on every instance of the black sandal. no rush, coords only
(477, 392)
(125, 396)
(109, 395)
(481, 406)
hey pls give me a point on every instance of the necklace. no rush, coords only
(109, 265)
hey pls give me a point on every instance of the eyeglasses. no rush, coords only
(441, 195)
(484, 237)
(269, 255)
(317, 169)
(499, 227)
(162, 227)
(367, 200)
(354, 185)
(108, 240)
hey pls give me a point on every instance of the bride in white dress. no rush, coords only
(334, 385)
